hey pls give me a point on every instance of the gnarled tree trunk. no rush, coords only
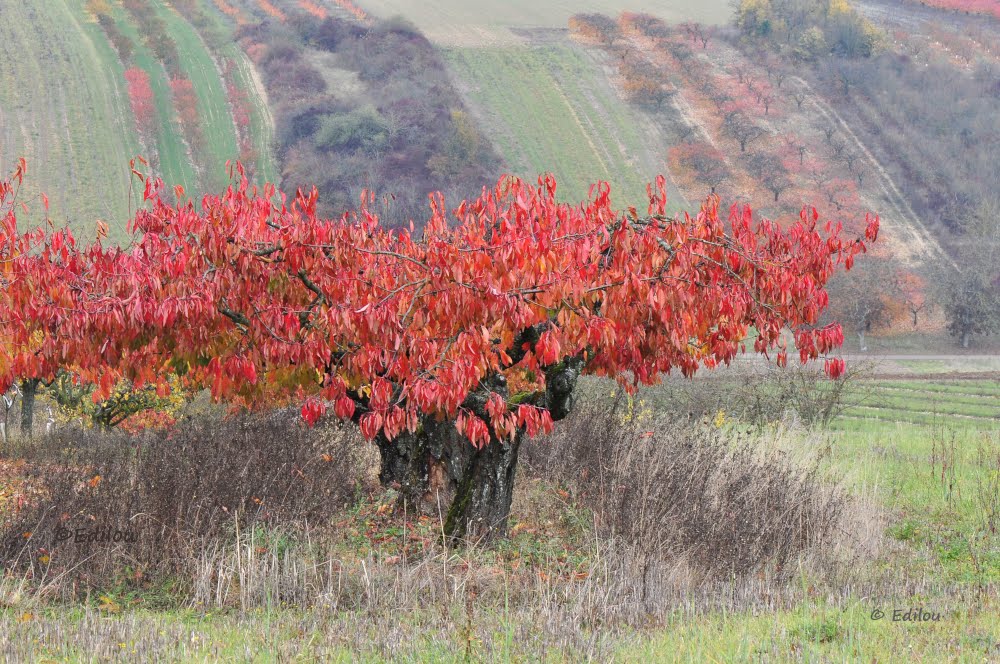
(481, 507)
(437, 470)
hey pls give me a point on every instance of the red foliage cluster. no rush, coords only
(313, 8)
(239, 105)
(148, 419)
(271, 10)
(230, 11)
(353, 9)
(255, 51)
(186, 103)
(268, 303)
(140, 95)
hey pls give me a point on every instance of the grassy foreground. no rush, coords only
(912, 573)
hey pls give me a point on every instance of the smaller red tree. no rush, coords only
(140, 94)
(913, 288)
(703, 161)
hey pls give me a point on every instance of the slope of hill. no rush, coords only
(548, 104)
(63, 105)
(551, 109)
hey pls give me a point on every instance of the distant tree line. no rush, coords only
(809, 29)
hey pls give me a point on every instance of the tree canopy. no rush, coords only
(266, 302)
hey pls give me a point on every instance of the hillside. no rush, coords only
(551, 108)
(64, 106)
(454, 23)
(86, 87)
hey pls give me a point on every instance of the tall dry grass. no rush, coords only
(618, 525)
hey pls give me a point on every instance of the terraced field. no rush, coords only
(213, 106)
(201, 63)
(261, 122)
(951, 403)
(550, 108)
(63, 107)
(203, 167)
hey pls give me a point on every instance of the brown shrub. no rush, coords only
(170, 495)
(678, 491)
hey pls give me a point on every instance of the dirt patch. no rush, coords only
(341, 83)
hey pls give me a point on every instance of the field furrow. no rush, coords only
(214, 114)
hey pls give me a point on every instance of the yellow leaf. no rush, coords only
(109, 604)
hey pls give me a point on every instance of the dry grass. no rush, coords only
(614, 532)
(170, 497)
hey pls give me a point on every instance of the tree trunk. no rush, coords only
(438, 472)
(481, 506)
(29, 388)
(965, 339)
(862, 344)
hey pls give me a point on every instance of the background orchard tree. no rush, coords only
(702, 161)
(140, 94)
(770, 171)
(866, 297)
(447, 347)
(742, 128)
(914, 291)
(968, 291)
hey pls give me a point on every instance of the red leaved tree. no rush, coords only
(913, 290)
(419, 337)
(140, 95)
